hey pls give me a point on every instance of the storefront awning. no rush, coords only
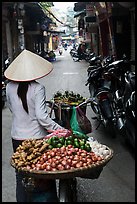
(67, 38)
(79, 13)
(55, 31)
(79, 6)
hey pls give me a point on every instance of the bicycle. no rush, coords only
(67, 189)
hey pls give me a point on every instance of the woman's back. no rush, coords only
(26, 125)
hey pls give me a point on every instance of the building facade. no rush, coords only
(25, 25)
(109, 27)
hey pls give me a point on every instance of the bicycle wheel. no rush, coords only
(67, 190)
(74, 189)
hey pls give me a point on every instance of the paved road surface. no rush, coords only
(117, 180)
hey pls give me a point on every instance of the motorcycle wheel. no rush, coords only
(75, 58)
(111, 128)
(67, 190)
(3, 104)
(94, 108)
(130, 133)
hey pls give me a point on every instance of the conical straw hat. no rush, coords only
(28, 66)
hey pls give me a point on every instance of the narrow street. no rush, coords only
(116, 182)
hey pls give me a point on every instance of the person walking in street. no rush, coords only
(81, 51)
(26, 99)
(66, 46)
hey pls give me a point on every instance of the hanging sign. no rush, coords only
(101, 7)
(90, 10)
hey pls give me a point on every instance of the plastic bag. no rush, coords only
(74, 122)
(59, 133)
(79, 122)
(83, 121)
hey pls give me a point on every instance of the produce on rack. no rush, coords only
(68, 98)
(63, 103)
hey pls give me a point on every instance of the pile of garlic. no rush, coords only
(99, 149)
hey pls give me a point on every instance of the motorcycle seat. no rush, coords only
(130, 77)
(102, 90)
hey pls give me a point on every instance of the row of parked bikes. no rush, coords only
(111, 86)
(4, 81)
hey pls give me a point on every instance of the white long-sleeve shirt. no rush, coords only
(35, 123)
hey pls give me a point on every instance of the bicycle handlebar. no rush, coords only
(89, 100)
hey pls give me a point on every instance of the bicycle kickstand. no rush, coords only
(98, 125)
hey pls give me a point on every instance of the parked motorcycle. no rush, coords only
(4, 81)
(48, 55)
(130, 120)
(3, 94)
(96, 61)
(72, 51)
(128, 106)
(85, 56)
(105, 81)
(6, 63)
(102, 100)
(124, 97)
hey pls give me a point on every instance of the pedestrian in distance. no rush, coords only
(81, 51)
(66, 46)
(26, 99)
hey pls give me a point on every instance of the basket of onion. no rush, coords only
(61, 157)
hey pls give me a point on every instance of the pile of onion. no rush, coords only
(64, 158)
(99, 149)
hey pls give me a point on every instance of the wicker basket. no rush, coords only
(93, 171)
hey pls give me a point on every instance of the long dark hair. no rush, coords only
(22, 93)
